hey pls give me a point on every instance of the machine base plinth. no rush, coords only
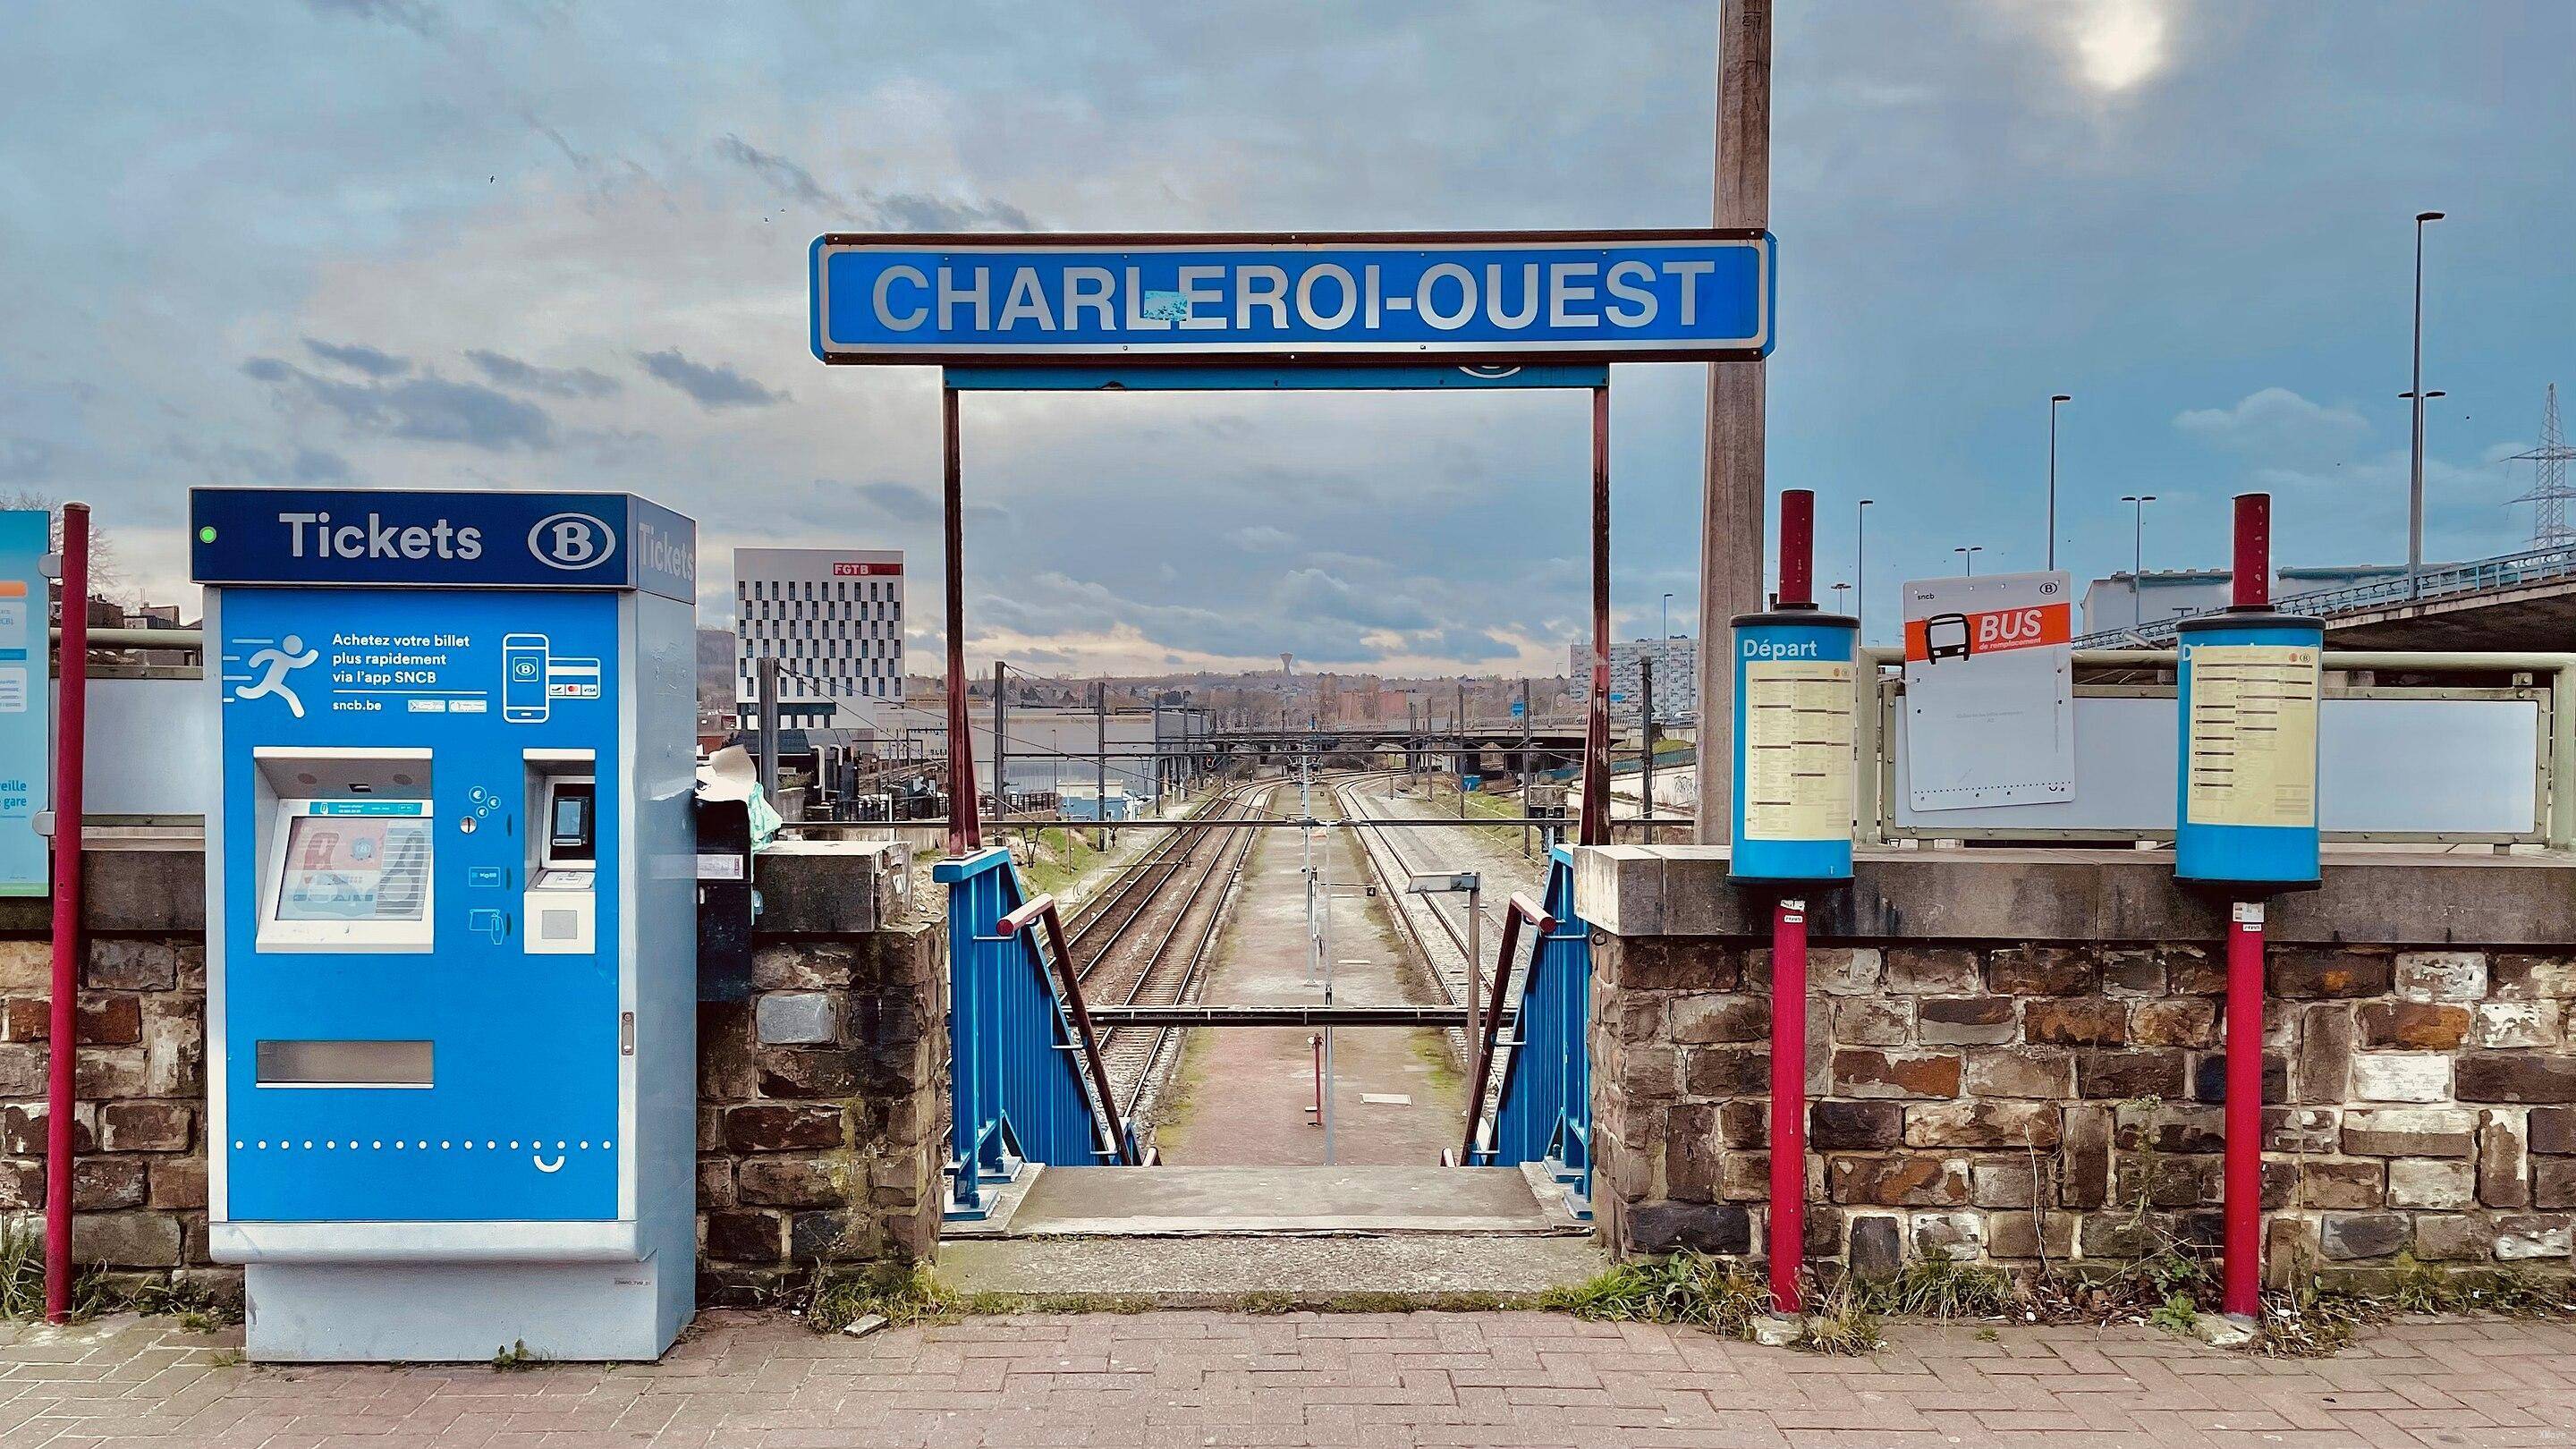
(462, 1312)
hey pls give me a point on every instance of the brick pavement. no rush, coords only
(1197, 1379)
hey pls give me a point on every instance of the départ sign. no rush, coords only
(1447, 299)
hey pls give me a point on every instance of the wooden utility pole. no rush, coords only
(1730, 555)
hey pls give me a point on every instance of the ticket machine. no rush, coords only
(451, 920)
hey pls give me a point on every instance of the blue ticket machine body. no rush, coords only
(451, 920)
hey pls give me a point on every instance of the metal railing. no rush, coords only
(2551, 681)
(1543, 1112)
(2511, 570)
(1026, 1080)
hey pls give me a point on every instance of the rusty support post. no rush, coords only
(1594, 824)
(964, 831)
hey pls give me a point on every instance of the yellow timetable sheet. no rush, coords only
(1798, 749)
(2253, 735)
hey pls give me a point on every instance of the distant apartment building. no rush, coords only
(1676, 678)
(833, 619)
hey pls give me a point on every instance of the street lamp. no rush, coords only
(2415, 392)
(1860, 560)
(1839, 591)
(2137, 556)
(2415, 495)
(1970, 554)
(2053, 400)
(1664, 648)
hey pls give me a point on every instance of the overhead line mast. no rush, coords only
(2549, 494)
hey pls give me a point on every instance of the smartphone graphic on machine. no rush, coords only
(523, 678)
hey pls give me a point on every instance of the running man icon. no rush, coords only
(274, 663)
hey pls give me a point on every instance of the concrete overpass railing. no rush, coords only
(2504, 571)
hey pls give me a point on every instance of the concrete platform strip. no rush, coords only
(1182, 1201)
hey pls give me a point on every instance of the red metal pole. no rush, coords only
(2253, 573)
(1593, 826)
(965, 832)
(2242, 1230)
(1797, 548)
(1788, 1101)
(71, 724)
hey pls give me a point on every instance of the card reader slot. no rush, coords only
(309, 1063)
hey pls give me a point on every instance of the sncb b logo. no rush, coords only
(571, 541)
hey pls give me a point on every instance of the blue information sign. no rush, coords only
(1560, 297)
(26, 701)
(360, 536)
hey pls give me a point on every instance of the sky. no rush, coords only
(529, 244)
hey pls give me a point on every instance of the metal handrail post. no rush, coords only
(2562, 758)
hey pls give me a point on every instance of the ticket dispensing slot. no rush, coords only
(345, 845)
(562, 899)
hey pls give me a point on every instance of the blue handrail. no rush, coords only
(1544, 1112)
(1018, 1089)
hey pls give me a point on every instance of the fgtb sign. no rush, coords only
(1332, 298)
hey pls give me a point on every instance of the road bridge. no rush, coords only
(2515, 602)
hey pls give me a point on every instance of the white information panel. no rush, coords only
(2471, 771)
(1989, 691)
(1798, 749)
(2253, 735)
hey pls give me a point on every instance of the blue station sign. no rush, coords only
(446, 539)
(1340, 299)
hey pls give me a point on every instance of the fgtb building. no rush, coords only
(832, 618)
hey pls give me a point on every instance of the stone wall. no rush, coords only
(2055, 1091)
(822, 1123)
(139, 1180)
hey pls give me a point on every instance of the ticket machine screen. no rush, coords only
(341, 869)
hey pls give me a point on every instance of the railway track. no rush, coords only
(1095, 930)
(1393, 869)
(1151, 947)
(1443, 953)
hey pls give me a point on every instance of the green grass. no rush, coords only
(1433, 1048)
(22, 1278)
(1939, 1288)
(1687, 1288)
(1059, 859)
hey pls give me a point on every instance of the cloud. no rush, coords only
(788, 177)
(901, 500)
(25, 460)
(1315, 592)
(1262, 538)
(1473, 646)
(913, 211)
(313, 465)
(416, 16)
(358, 357)
(427, 409)
(883, 211)
(713, 386)
(2276, 421)
(576, 382)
